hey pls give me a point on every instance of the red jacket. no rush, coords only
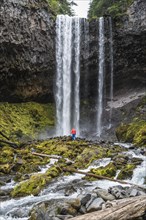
(73, 131)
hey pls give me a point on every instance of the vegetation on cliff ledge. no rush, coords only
(61, 7)
(24, 121)
(115, 8)
(134, 132)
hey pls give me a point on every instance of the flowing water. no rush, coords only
(100, 76)
(19, 208)
(67, 74)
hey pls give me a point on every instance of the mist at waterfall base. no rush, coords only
(75, 106)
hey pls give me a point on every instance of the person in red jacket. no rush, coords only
(73, 134)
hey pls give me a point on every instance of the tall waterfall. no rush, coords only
(86, 57)
(100, 76)
(67, 74)
(111, 70)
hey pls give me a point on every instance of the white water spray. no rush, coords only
(68, 70)
(111, 69)
(100, 76)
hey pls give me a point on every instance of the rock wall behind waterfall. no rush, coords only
(130, 49)
(27, 51)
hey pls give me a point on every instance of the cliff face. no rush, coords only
(27, 51)
(130, 50)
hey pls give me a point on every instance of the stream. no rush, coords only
(18, 209)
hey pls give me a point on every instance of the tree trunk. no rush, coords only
(124, 209)
(12, 144)
(101, 177)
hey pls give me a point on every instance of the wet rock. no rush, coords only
(75, 203)
(118, 192)
(85, 199)
(104, 194)
(95, 205)
(134, 192)
(69, 190)
(82, 209)
(2, 183)
(93, 197)
(68, 210)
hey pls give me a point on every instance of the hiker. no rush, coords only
(73, 134)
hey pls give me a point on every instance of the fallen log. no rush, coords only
(46, 155)
(2, 134)
(52, 156)
(12, 144)
(123, 209)
(101, 177)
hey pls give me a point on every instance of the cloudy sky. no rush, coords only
(82, 8)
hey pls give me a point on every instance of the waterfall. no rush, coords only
(76, 70)
(86, 57)
(111, 69)
(100, 76)
(67, 74)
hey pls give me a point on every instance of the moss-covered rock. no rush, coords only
(25, 120)
(134, 132)
(126, 172)
(35, 184)
(108, 171)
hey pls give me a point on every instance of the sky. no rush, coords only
(82, 8)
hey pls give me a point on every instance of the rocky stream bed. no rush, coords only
(36, 187)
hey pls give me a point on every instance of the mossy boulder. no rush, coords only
(87, 156)
(120, 160)
(67, 149)
(35, 184)
(5, 169)
(126, 172)
(108, 171)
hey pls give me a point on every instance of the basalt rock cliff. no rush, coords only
(27, 53)
(130, 49)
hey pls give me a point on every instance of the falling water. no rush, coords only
(68, 70)
(86, 57)
(111, 69)
(100, 76)
(76, 70)
(63, 76)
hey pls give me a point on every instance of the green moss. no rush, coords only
(65, 149)
(134, 132)
(121, 132)
(60, 7)
(108, 171)
(25, 120)
(35, 184)
(115, 8)
(140, 136)
(127, 171)
(5, 168)
(87, 156)
(31, 186)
